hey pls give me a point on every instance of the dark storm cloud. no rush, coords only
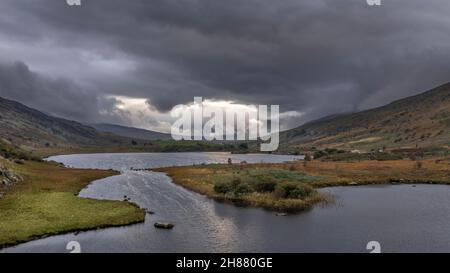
(58, 96)
(312, 56)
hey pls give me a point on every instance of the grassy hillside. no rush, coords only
(31, 129)
(9, 151)
(422, 120)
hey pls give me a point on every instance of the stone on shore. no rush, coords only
(163, 225)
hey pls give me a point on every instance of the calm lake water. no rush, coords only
(402, 218)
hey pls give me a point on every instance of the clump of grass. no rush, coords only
(276, 189)
(235, 187)
(223, 187)
(263, 181)
(242, 189)
(293, 190)
(267, 185)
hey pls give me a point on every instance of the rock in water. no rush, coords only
(164, 225)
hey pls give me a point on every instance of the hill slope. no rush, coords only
(422, 120)
(26, 133)
(30, 128)
(131, 132)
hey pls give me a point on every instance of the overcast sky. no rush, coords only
(130, 62)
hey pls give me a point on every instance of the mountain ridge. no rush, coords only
(419, 120)
(31, 128)
(131, 132)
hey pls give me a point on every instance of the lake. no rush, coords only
(402, 218)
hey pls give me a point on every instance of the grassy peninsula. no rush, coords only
(46, 203)
(292, 186)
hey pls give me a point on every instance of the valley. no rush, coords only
(405, 142)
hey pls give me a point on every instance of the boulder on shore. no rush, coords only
(7, 177)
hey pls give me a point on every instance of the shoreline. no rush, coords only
(65, 232)
(320, 175)
(25, 204)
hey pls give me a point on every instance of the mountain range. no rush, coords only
(421, 120)
(31, 129)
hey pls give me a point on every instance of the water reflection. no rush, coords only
(401, 217)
